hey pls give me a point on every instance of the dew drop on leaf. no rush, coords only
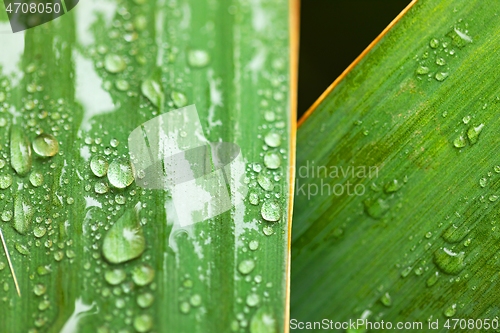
(5, 181)
(153, 91)
(246, 266)
(263, 322)
(20, 151)
(114, 63)
(45, 145)
(271, 211)
(448, 261)
(99, 166)
(115, 276)
(179, 99)
(143, 323)
(23, 213)
(198, 58)
(143, 275)
(272, 160)
(120, 173)
(272, 139)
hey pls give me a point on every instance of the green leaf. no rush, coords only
(396, 212)
(106, 250)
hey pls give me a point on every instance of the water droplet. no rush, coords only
(466, 119)
(263, 322)
(448, 261)
(179, 99)
(268, 230)
(120, 173)
(253, 245)
(153, 91)
(143, 323)
(440, 61)
(460, 142)
(43, 305)
(185, 307)
(101, 188)
(143, 275)
(432, 279)
(253, 300)
(422, 70)
(386, 299)
(115, 276)
(2, 97)
(125, 239)
(271, 211)
(198, 58)
(441, 76)
(43, 270)
(145, 300)
(272, 160)
(22, 249)
(253, 198)
(273, 139)
(473, 133)
(497, 168)
(5, 181)
(23, 213)
(434, 43)
(39, 231)
(7, 215)
(39, 289)
(393, 186)
(114, 63)
(45, 145)
(99, 166)
(450, 311)
(20, 151)
(246, 266)
(2, 265)
(122, 85)
(376, 208)
(455, 234)
(195, 300)
(114, 143)
(264, 182)
(483, 182)
(36, 178)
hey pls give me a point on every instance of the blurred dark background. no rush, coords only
(332, 34)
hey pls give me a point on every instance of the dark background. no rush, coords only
(333, 33)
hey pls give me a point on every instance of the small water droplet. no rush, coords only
(99, 166)
(253, 198)
(115, 276)
(198, 58)
(376, 208)
(122, 85)
(434, 43)
(406, 271)
(268, 230)
(143, 275)
(386, 299)
(39, 231)
(101, 188)
(459, 142)
(393, 186)
(153, 91)
(45, 145)
(246, 266)
(185, 307)
(22, 249)
(466, 119)
(20, 151)
(432, 279)
(483, 182)
(450, 311)
(253, 300)
(440, 61)
(422, 70)
(195, 300)
(263, 322)
(125, 239)
(23, 213)
(441, 76)
(253, 245)
(39, 289)
(120, 173)
(114, 63)
(271, 211)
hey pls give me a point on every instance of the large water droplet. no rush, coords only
(449, 261)
(246, 266)
(125, 239)
(114, 63)
(195, 300)
(271, 211)
(120, 173)
(99, 166)
(115, 276)
(143, 323)
(198, 58)
(473, 133)
(153, 91)
(143, 275)
(5, 181)
(264, 182)
(263, 322)
(45, 145)
(20, 151)
(273, 139)
(23, 213)
(272, 160)
(179, 99)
